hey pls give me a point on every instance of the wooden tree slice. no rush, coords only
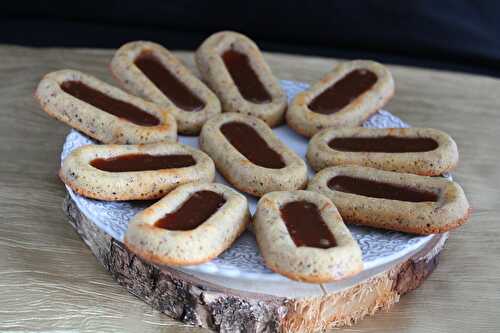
(194, 300)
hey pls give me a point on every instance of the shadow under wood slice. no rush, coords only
(194, 301)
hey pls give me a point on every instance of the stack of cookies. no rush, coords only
(383, 178)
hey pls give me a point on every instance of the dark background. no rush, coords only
(454, 35)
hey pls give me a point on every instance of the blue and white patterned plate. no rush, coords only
(243, 260)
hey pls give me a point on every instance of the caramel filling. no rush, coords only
(245, 78)
(109, 104)
(385, 144)
(251, 145)
(142, 162)
(168, 83)
(343, 92)
(194, 211)
(375, 189)
(306, 226)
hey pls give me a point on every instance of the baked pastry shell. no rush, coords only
(207, 241)
(96, 123)
(134, 80)
(307, 264)
(307, 123)
(77, 172)
(242, 173)
(450, 211)
(214, 72)
(429, 163)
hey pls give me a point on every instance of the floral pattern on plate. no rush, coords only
(243, 260)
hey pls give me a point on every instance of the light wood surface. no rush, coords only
(51, 281)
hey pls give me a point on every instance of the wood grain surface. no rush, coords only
(224, 306)
(50, 281)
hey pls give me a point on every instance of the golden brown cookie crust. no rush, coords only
(307, 123)
(307, 264)
(191, 247)
(429, 163)
(214, 72)
(97, 123)
(242, 173)
(450, 211)
(86, 180)
(134, 80)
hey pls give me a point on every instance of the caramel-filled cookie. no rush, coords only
(102, 111)
(301, 235)
(191, 225)
(234, 68)
(422, 151)
(250, 156)
(345, 97)
(395, 201)
(134, 172)
(150, 71)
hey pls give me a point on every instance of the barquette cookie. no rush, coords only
(422, 151)
(150, 71)
(134, 172)
(345, 97)
(302, 236)
(391, 200)
(234, 68)
(102, 111)
(191, 225)
(250, 156)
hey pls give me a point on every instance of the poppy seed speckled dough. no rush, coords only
(260, 94)
(98, 123)
(240, 170)
(188, 247)
(149, 70)
(432, 204)
(78, 172)
(307, 118)
(305, 263)
(435, 153)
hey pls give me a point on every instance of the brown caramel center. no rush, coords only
(142, 162)
(194, 211)
(385, 144)
(109, 104)
(168, 83)
(245, 78)
(343, 92)
(251, 145)
(375, 189)
(306, 226)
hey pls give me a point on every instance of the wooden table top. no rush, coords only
(51, 281)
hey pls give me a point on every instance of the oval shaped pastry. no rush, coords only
(191, 225)
(234, 68)
(345, 97)
(250, 156)
(134, 172)
(394, 201)
(150, 71)
(102, 111)
(422, 151)
(301, 235)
